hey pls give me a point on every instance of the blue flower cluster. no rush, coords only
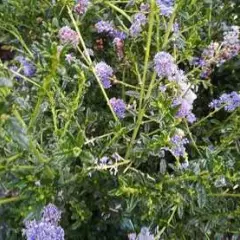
(218, 53)
(109, 29)
(185, 110)
(51, 214)
(229, 101)
(166, 7)
(118, 106)
(145, 7)
(68, 36)
(178, 145)
(81, 6)
(105, 73)
(103, 70)
(165, 67)
(139, 20)
(144, 234)
(27, 68)
(47, 228)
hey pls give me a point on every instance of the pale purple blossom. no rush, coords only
(118, 106)
(42, 231)
(132, 236)
(184, 109)
(108, 28)
(104, 72)
(231, 36)
(119, 34)
(108, 163)
(162, 88)
(104, 27)
(164, 65)
(81, 6)
(178, 145)
(145, 7)
(51, 214)
(47, 228)
(178, 75)
(217, 54)
(176, 28)
(145, 234)
(68, 36)
(166, 7)
(191, 118)
(28, 68)
(229, 101)
(139, 20)
(70, 58)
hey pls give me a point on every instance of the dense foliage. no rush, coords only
(123, 114)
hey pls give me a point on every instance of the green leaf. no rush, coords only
(9, 200)
(163, 166)
(17, 132)
(48, 173)
(5, 82)
(201, 196)
(87, 158)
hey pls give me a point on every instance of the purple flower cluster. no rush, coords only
(231, 40)
(144, 234)
(185, 110)
(109, 29)
(176, 28)
(47, 228)
(118, 106)
(145, 7)
(51, 214)
(28, 69)
(68, 36)
(104, 72)
(218, 53)
(230, 102)
(81, 6)
(164, 65)
(139, 20)
(178, 145)
(166, 7)
(70, 58)
(105, 27)
(109, 163)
